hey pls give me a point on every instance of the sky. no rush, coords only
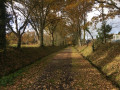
(115, 23)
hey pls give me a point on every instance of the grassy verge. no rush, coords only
(106, 58)
(16, 59)
(10, 78)
(15, 45)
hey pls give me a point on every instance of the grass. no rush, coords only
(15, 45)
(16, 59)
(106, 57)
(51, 81)
(10, 78)
(85, 50)
(1, 50)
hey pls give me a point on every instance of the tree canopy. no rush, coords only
(48, 16)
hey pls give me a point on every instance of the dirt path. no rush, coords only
(67, 70)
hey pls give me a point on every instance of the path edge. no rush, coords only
(100, 70)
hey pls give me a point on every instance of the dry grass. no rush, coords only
(106, 57)
(85, 50)
(32, 45)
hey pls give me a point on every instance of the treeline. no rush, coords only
(30, 38)
(66, 19)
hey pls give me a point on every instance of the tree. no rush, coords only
(29, 37)
(93, 45)
(112, 6)
(78, 18)
(111, 3)
(101, 18)
(101, 34)
(18, 22)
(53, 21)
(38, 19)
(3, 16)
(118, 32)
(11, 38)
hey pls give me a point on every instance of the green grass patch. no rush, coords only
(10, 78)
(51, 81)
(1, 50)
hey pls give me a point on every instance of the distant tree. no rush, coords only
(29, 37)
(104, 35)
(77, 11)
(53, 22)
(11, 38)
(62, 33)
(118, 32)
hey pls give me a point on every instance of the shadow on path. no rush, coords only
(67, 70)
(57, 74)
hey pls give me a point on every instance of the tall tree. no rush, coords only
(102, 17)
(3, 17)
(80, 9)
(18, 23)
(38, 19)
(101, 34)
(53, 22)
(2, 24)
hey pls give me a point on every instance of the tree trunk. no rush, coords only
(84, 28)
(52, 39)
(103, 23)
(2, 32)
(84, 37)
(104, 33)
(41, 38)
(38, 39)
(79, 44)
(2, 37)
(2, 25)
(93, 45)
(80, 33)
(84, 18)
(79, 38)
(19, 42)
